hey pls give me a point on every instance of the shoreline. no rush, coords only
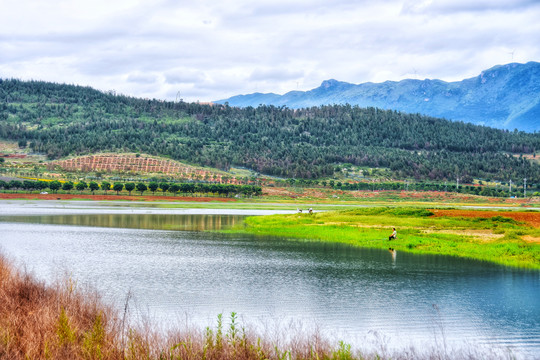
(507, 236)
(484, 235)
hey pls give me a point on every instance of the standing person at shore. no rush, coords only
(393, 236)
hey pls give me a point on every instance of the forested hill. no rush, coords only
(62, 120)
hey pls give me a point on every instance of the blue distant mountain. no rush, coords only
(505, 96)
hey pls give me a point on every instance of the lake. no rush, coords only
(179, 274)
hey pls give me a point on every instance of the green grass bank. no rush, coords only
(497, 239)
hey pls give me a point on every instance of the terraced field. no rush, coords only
(131, 163)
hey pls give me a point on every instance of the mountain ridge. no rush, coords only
(504, 96)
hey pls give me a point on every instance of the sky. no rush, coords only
(211, 50)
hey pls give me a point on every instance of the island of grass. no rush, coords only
(510, 238)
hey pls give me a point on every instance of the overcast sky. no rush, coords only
(209, 50)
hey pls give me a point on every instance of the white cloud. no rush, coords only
(269, 74)
(142, 78)
(446, 7)
(209, 50)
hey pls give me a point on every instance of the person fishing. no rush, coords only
(393, 236)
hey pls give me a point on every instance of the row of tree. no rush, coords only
(63, 120)
(498, 191)
(225, 190)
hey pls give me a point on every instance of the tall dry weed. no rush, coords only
(53, 322)
(63, 321)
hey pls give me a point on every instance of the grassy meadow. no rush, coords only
(499, 239)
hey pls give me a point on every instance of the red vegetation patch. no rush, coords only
(110, 197)
(13, 156)
(531, 218)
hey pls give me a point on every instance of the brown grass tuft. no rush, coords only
(53, 322)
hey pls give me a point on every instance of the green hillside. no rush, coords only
(66, 120)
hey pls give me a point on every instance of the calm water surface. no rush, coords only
(358, 295)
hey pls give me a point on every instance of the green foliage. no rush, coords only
(94, 340)
(93, 186)
(118, 187)
(219, 331)
(343, 352)
(153, 186)
(14, 184)
(174, 188)
(141, 187)
(232, 334)
(129, 187)
(106, 186)
(60, 120)
(396, 211)
(502, 219)
(55, 185)
(67, 186)
(66, 334)
(411, 212)
(29, 185)
(40, 184)
(164, 186)
(81, 186)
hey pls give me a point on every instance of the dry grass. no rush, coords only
(480, 235)
(64, 322)
(58, 322)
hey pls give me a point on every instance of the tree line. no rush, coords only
(491, 191)
(224, 190)
(64, 120)
(228, 190)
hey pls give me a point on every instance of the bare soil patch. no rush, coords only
(531, 239)
(483, 235)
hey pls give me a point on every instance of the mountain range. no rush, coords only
(504, 97)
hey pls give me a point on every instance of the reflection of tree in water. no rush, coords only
(140, 221)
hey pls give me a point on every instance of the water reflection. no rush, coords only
(347, 291)
(394, 255)
(136, 221)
